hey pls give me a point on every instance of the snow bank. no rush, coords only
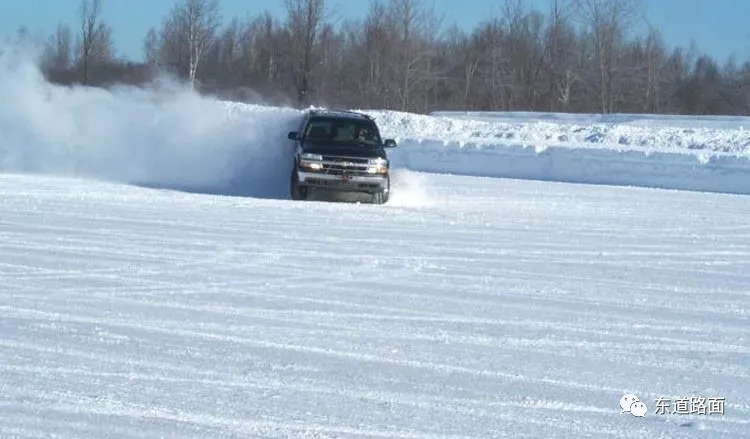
(163, 136)
(697, 135)
(675, 152)
(648, 120)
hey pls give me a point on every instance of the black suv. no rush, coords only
(340, 151)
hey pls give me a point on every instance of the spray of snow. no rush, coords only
(410, 189)
(163, 135)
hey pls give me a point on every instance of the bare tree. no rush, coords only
(95, 44)
(607, 22)
(654, 56)
(304, 22)
(376, 48)
(200, 20)
(151, 50)
(185, 38)
(414, 29)
(262, 49)
(58, 51)
(561, 45)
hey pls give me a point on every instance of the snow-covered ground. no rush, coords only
(467, 307)
(480, 308)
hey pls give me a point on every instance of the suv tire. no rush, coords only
(297, 192)
(382, 197)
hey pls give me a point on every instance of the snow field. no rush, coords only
(501, 309)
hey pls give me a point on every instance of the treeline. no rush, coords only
(577, 56)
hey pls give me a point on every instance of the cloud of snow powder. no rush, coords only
(163, 135)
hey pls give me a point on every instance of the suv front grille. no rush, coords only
(336, 165)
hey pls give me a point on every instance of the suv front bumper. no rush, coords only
(353, 183)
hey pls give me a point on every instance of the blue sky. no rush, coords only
(718, 27)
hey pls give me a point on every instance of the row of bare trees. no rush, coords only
(575, 56)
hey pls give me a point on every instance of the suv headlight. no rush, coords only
(377, 166)
(311, 162)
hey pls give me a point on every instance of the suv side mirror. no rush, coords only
(293, 135)
(389, 143)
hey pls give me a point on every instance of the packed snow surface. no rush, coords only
(476, 308)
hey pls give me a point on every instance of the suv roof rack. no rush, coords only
(333, 111)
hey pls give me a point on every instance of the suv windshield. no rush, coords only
(342, 130)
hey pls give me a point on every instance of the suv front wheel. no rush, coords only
(382, 196)
(297, 191)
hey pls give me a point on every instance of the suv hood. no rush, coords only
(345, 150)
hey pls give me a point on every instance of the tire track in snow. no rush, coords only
(476, 408)
(358, 357)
